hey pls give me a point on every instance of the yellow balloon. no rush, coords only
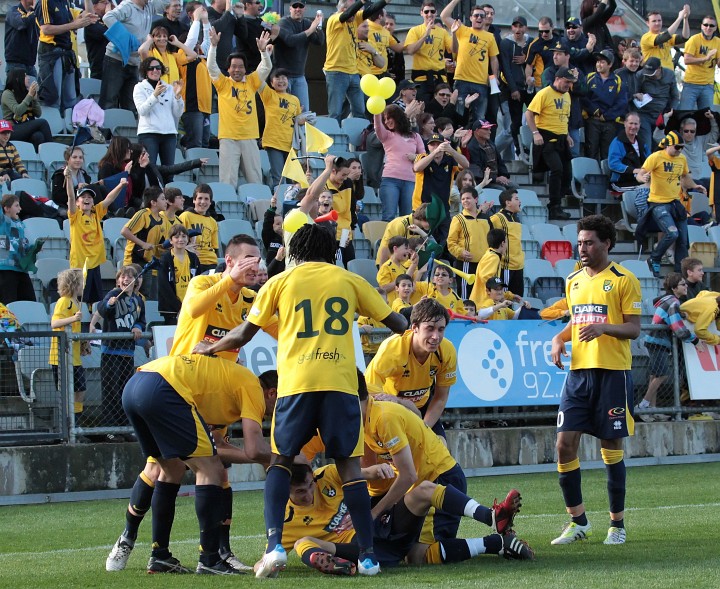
(294, 220)
(369, 84)
(386, 88)
(375, 105)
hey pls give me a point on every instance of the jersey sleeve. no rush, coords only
(631, 296)
(412, 36)
(253, 401)
(265, 305)
(448, 371)
(370, 303)
(391, 433)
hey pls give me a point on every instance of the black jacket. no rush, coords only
(154, 175)
(168, 302)
(478, 161)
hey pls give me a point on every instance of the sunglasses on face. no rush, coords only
(709, 24)
(155, 67)
(445, 94)
(571, 27)
(544, 31)
(692, 131)
(679, 147)
(429, 11)
(479, 15)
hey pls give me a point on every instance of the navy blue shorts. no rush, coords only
(395, 532)
(444, 524)
(598, 402)
(79, 382)
(93, 286)
(166, 425)
(336, 416)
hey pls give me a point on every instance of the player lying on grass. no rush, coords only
(169, 403)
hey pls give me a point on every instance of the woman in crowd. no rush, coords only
(21, 106)
(401, 145)
(159, 110)
(426, 125)
(595, 15)
(74, 161)
(116, 158)
(157, 44)
(444, 104)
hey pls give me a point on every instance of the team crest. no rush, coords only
(607, 285)
(329, 491)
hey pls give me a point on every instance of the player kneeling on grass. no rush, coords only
(169, 402)
(316, 509)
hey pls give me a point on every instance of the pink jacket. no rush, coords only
(397, 164)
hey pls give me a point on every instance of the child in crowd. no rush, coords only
(175, 205)
(395, 266)
(11, 166)
(440, 289)
(123, 311)
(177, 268)
(693, 273)
(489, 266)
(470, 309)
(370, 342)
(272, 237)
(501, 308)
(207, 242)
(87, 242)
(404, 289)
(67, 312)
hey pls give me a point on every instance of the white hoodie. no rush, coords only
(157, 114)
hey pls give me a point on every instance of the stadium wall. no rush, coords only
(39, 470)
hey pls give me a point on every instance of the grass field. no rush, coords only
(672, 520)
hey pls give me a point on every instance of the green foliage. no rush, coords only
(672, 522)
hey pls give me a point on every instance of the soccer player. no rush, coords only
(212, 306)
(702, 311)
(169, 403)
(197, 218)
(605, 304)
(409, 365)
(315, 304)
(316, 516)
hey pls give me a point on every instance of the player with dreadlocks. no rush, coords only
(315, 303)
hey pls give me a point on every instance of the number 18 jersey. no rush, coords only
(316, 304)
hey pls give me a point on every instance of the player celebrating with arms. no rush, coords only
(604, 301)
(317, 388)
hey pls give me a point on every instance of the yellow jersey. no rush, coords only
(662, 51)
(173, 62)
(701, 312)
(387, 273)
(399, 373)
(379, 37)
(87, 241)
(398, 226)
(398, 304)
(475, 48)
(321, 519)
(431, 55)
(149, 228)
(364, 62)
(489, 266)
(342, 203)
(209, 310)
(315, 304)
(552, 110)
(390, 427)
(223, 392)
(701, 73)
(207, 243)
(468, 233)
(237, 108)
(341, 52)
(281, 109)
(450, 301)
(603, 298)
(65, 307)
(514, 258)
(665, 174)
(182, 275)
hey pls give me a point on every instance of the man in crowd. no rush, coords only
(539, 53)
(227, 26)
(172, 22)
(296, 35)
(631, 59)
(656, 81)
(657, 43)
(21, 38)
(483, 154)
(700, 62)
(581, 47)
(95, 39)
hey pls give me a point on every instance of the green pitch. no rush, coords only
(673, 523)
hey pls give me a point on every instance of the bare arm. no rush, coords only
(407, 476)
(237, 337)
(436, 405)
(446, 14)
(396, 322)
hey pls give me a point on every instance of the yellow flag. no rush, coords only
(84, 272)
(293, 170)
(317, 140)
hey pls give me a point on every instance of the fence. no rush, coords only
(34, 408)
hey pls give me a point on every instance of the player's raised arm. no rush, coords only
(396, 322)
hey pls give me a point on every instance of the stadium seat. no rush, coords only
(265, 167)
(374, 230)
(354, 128)
(364, 268)
(628, 211)
(526, 142)
(229, 228)
(56, 121)
(90, 88)
(152, 315)
(53, 156)
(699, 204)
(697, 234)
(543, 232)
(331, 127)
(56, 245)
(186, 188)
(372, 206)
(119, 251)
(589, 185)
(489, 194)
(228, 202)
(210, 172)
(249, 192)
(45, 279)
(529, 198)
(543, 278)
(256, 210)
(94, 152)
(531, 248)
(32, 365)
(121, 122)
(32, 315)
(363, 248)
(552, 300)
(714, 235)
(554, 251)
(705, 251)
(31, 186)
(564, 268)
(107, 275)
(534, 302)
(187, 175)
(30, 158)
(648, 283)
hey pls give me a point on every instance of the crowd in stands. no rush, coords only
(474, 99)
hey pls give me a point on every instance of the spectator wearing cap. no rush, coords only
(296, 35)
(340, 68)
(668, 174)
(631, 59)
(21, 38)
(548, 116)
(477, 53)
(95, 39)
(407, 94)
(11, 166)
(604, 106)
(539, 52)
(501, 308)
(580, 46)
(483, 154)
(657, 43)
(445, 104)
(428, 43)
(659, 83)
(561, 58)
(434, 173)
(595, 15)
(700, 65)
(513, 84)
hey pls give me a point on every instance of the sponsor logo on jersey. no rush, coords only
(413, 395)
(338, 518)
(589, 314)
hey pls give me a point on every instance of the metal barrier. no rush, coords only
(34, 409)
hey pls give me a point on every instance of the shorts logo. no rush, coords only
(617, 425)
(607, 285)
(617, 413)
(329, 491)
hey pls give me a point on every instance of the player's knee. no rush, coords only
(425, 491)
(566, 450)
(152, 471)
